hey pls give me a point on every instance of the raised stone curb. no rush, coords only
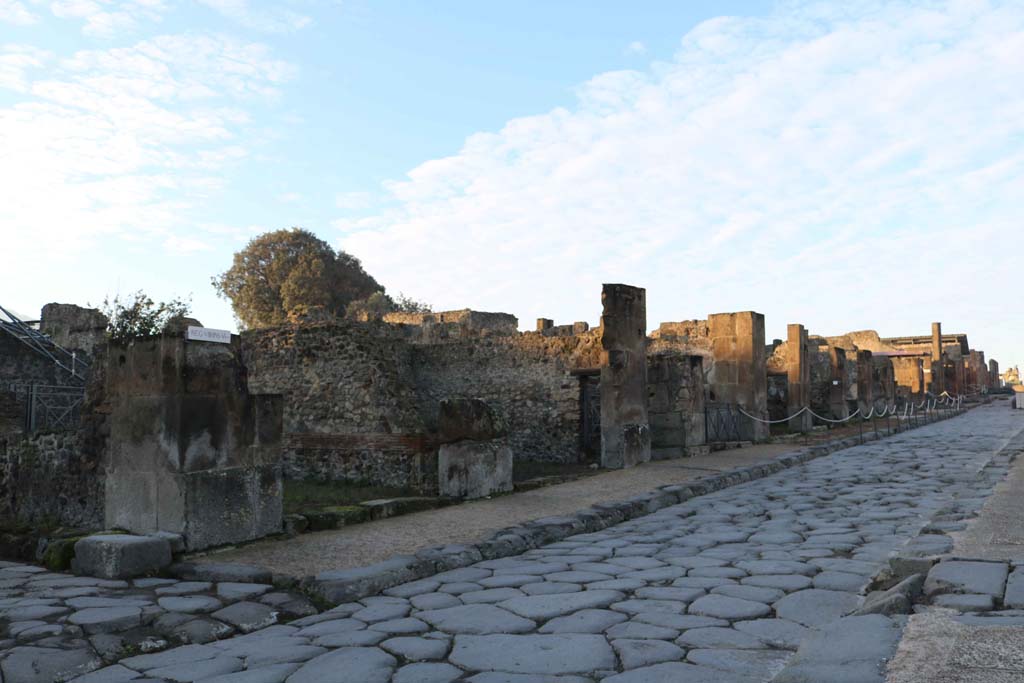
(346, 585)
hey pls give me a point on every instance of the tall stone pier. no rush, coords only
(625, 431)
(993, 374)
(191, 451)
(740, 375)
(937, 380)
(799, 377)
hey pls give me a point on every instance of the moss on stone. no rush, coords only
(59, 553)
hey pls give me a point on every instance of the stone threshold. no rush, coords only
(346, 585)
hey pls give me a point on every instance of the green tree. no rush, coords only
(139, 316)
(377, 304)
(288, 273)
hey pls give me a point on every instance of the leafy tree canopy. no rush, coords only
(139, 316)
(286, 274)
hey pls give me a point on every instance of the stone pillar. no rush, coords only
(625, 432)
(544, 324)
(865, 382)
(937, 378)
(739, 374)
(799, 376)
(993, 373)
(191, 451)
(837, 393)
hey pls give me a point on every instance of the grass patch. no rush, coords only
(300, 496)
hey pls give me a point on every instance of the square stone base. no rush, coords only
(207, 507)
(474, 469)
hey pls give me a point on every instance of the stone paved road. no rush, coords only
(725, 588)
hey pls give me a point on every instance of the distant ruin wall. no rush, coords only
(75, 328)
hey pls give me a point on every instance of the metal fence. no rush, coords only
(724, 422)
(48, 407)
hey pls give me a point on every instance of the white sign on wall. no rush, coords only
(208, 334)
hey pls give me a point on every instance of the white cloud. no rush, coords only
(845, 166)
(636, 48)
(123, 141)
(17, 13)
(289, 197)
(268, 20)
(353, 201)
(108, 18)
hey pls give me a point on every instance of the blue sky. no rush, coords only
(844, 165)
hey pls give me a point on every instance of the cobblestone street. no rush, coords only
(752, 583)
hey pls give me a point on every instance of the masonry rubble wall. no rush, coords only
(828, 379)
(675, 384)
(47, 480)
(75, 328)
(909, 376)
(527, 379)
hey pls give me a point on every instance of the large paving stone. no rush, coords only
(814, 607)
(779, 633)
(47, 665)
(347, 665)
(415, 649)
(731, 609)
(849, 650)
(1014, 597)
(106, 619)
(678, 672)
(758, 664)
(549, 606)
(533, 654)
(427, 672)
(959, 576)
(121, 556)
(247, 616)
(584, 621)
(190, 604)
(275, 673)
(720, 637)
(635, 653)
(197, 671)
(476, 619)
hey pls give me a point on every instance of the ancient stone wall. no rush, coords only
(625, 428)
(526, 379)
(19, 363)
(734, 359)
(908, 374)
(74, 327)
(48, 480)
(675, 383)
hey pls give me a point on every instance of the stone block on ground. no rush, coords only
(121, 556)
(474, 469)
(965, 576)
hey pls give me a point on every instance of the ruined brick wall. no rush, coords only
(527, 380)
(675, 383)
(47, 479)
(440, 325)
